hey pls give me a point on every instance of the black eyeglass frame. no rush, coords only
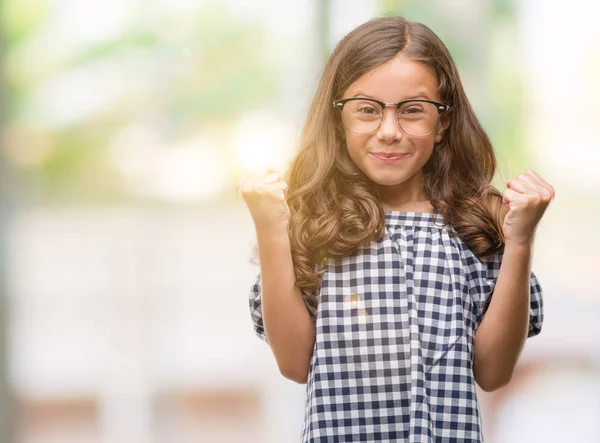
(441, 107)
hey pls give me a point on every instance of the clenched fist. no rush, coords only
(264, 194)
(526, 198)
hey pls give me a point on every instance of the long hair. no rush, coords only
(335, 209)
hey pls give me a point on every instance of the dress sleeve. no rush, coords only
(489, 275)
(255, 302)
(256, 310)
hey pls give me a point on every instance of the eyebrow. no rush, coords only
(412, 97)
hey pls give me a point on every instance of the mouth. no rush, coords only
(387, 157)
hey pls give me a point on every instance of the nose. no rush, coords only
(389, 131)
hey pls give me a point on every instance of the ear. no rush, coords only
(442, 126)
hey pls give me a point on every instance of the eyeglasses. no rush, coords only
(416, 117)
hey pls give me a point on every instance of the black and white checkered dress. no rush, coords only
(393, 358)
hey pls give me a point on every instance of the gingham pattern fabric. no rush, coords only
(393, 358)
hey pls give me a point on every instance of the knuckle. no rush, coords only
(247, 189)
(535, 200)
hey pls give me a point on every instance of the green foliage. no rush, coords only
(200, 68)
(20, 17)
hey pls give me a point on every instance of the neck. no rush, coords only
(406, 196)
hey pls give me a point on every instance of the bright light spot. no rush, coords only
(352, 299)
(261, 140)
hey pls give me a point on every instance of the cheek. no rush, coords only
(425, 146)
(356, 145)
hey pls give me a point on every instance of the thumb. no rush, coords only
(509, 196)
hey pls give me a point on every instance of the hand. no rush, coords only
(526, 198)
(264, 194)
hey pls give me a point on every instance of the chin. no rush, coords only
(387, 181)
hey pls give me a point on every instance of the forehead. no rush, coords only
(397, 79)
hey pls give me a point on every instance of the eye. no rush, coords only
(412, 110)
(367, 109)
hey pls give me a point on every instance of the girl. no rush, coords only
(380, 251)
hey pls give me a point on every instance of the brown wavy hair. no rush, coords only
(335, 209)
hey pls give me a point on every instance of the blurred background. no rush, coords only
(125, 251)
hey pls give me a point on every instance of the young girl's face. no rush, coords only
(396, 80)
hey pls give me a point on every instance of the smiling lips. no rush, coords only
(387, 157)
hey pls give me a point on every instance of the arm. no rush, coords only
(501, 335)
(288, 325)
(503, 330)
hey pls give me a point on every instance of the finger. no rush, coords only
(541, 181)
(536, 176)
(513, 199)
(252, 173)
(527, 187)
(531, 184)
(539, 189)
(254, 177)
(522, 186)
(280, 186)
(280, 189)
(272, 177)
(271, 187)
(242, 180)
